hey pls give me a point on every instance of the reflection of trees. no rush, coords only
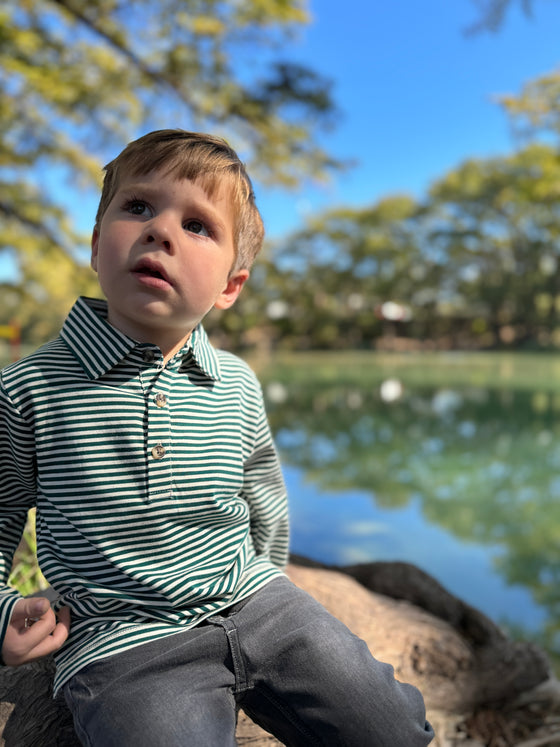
(484, 464)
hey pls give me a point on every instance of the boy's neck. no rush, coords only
(169, 352)
(169, 344)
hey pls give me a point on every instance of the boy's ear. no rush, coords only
(229, 295)
(94, 247)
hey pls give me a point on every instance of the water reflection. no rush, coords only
(479, 466)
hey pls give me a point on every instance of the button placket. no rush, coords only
(158, 431)
(158, 443)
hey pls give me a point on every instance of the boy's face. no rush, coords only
(163, 253)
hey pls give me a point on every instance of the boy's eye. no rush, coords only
(136, 207)
(195, 226)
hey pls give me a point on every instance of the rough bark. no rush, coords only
(480, 687)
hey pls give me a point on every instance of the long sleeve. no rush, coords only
(17, 494)
(265, 493)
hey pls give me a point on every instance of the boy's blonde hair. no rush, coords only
(201, 158)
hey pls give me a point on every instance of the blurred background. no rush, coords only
(404, 317)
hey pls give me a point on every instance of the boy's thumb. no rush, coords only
(38, 606)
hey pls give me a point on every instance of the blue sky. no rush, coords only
(417, 94)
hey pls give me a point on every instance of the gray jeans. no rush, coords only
(293, 668)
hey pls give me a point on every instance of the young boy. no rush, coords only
(161, 511)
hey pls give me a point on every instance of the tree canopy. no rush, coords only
(474, 263)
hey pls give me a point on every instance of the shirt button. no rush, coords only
(148, 356)
(158, 452)
(160, 399)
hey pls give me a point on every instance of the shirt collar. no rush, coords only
(99, 347)
(204, 353)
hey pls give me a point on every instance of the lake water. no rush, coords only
(450, 462)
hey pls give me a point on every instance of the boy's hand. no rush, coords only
(34, 631)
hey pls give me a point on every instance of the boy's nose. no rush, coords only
(158, 232)
(151, 238)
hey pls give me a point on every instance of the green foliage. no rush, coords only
(26, 576)
(474, 264)
(498, 230)
(536, 109)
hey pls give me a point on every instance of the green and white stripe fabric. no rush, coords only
(160, 499)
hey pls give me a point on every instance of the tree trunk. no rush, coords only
(480, 687)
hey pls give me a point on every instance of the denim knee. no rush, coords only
(319, 678)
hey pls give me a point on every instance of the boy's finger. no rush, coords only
(27, 610)
(63, 616)
(49, 626)
(51, 643)
(34, 630)
(44, 637)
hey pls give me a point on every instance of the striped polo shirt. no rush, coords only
(160, 499)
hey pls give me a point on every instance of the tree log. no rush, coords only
(480, 687)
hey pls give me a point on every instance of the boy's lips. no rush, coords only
(151, 271)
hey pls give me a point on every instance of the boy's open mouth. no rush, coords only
(149, 268)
